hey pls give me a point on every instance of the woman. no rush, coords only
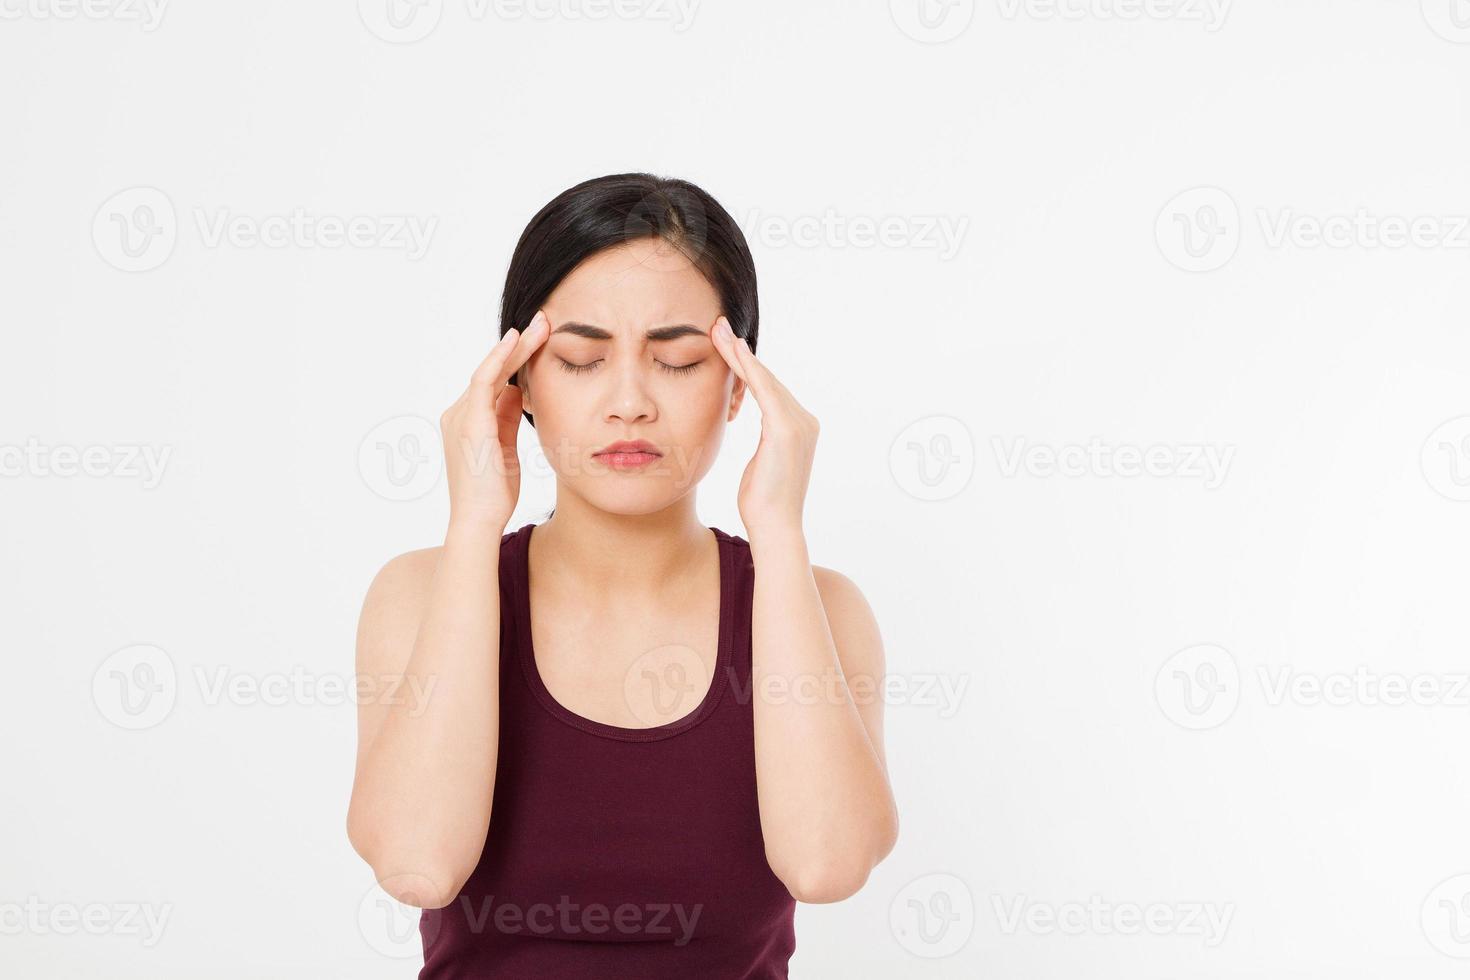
(646, 738)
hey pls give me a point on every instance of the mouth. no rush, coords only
(628, 455)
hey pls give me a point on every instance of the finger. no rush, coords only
(762, 376)
(724, 340)
(481, 390)
(526, 344)
(762, 383)
(508, 419)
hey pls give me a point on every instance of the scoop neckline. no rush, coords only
(527, 654)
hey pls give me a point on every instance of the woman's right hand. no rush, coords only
(480, 432)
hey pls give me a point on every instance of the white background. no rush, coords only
(1084, 759)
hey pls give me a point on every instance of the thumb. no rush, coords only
(508, 421)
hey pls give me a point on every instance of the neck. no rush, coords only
(638, 552)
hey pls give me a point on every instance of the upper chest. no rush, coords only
(633, 664)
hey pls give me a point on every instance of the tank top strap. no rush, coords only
(740, 597)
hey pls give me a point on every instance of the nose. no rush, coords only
(628, 397)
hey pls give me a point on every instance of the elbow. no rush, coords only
(410, 877)
(421, 891)
(429, 885)
(836, 877)
(825, 883)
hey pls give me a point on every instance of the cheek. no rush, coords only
(699, 405)
(553, 390)
(556, 404)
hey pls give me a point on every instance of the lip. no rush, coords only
(623, 446)
(628, 454)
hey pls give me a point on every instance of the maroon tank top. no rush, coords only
(619, 852)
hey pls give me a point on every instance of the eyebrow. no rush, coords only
(656, 333)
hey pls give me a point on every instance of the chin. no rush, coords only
(629, 496)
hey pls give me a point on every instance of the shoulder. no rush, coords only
(393, 606)
(851, 620)
(395, 600)
(837, 589)
(402, 578)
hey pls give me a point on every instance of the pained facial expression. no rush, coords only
(629, 358)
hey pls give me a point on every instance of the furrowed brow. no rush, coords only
(657, 333)
(584, 330)
(676, 331)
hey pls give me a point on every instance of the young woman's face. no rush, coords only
(629, 358)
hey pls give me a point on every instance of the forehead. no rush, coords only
(633, 285)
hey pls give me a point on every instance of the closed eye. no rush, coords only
(572, 368)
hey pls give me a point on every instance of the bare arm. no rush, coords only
(425, 774)
(827, 812)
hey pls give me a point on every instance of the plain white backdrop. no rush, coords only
(1137, 331)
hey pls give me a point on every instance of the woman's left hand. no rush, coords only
(773, 489)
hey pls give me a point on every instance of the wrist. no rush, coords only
(780, 537)
(477, 530)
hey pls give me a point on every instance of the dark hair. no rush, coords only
(605, 212)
